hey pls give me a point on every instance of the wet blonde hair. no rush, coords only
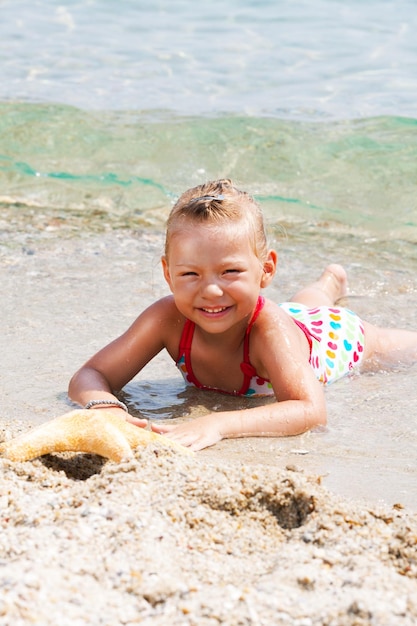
(217, 202)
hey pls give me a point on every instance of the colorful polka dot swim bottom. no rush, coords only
(337, 336)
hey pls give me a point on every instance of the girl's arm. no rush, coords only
(300, 399)
(280, 419)
(115, 365)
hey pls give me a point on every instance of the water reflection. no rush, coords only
(170, 398)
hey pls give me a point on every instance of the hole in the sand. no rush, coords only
(293, 512)
(75, 466)
(289, 505)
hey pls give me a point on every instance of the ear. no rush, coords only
(269, 268)
(165, 269)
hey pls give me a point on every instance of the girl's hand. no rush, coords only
(196, 434)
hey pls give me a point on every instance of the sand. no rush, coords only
(246, 532)
(164, 539)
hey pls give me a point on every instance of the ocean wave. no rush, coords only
(359, 174)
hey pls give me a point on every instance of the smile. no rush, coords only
(219, 309)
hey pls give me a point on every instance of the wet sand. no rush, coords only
(241, 534)
(65, 296)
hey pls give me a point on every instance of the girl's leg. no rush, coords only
(383, 346)
(330, 287)
(389, 346)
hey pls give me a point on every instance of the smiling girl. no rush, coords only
(225, 336)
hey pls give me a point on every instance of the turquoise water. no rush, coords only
(117, 107)
(358, 175)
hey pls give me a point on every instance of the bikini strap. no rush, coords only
(185, 351)
(259, 306)
(246, 366)
(186, 338)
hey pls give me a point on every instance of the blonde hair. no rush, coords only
(216, 202)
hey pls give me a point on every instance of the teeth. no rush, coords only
(218, 310)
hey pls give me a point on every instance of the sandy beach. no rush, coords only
(313, 530)
(109, 111)
(164, 539)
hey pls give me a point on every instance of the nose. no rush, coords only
(211, 288)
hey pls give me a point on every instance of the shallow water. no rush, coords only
(108, 111)
(319, 59)
(357, 177)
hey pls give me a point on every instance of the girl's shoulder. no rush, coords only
(166, 315)
(274, 327)
(275, 339)
(165, 311)
(272, 314)
(161, 323)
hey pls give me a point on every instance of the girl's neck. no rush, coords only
(230, 340)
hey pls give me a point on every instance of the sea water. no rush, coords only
(123, 105)
(110, 109)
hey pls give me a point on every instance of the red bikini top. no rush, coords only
(253, 385)
(251, 381)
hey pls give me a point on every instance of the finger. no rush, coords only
(199, 445)
(186, 439)
(161, 430)
(136, 421)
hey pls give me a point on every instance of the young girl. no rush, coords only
(224, 336)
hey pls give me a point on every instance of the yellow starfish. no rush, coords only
(84, 431)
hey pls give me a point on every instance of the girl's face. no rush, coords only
(214, 274)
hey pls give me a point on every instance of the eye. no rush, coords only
(232, 271)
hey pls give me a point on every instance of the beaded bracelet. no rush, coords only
(117, 403)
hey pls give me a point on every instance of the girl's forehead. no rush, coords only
(214, 231)
(225, 239)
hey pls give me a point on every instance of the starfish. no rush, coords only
(105, 434)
